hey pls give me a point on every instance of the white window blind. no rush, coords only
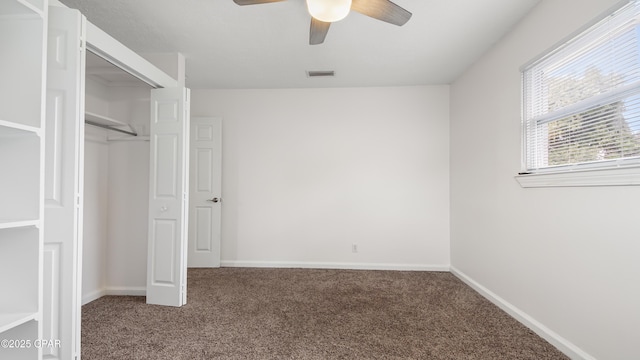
(581, 106)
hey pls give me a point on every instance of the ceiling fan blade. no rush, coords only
(383, 10)
(318, 31)
(254, 2)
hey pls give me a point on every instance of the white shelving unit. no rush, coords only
(22, 102)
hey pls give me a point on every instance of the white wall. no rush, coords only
(566, 259)
(116, 195)
(128, 217)
(301, 185)
(96, 97)
(94, 249)
(128, 194)
(307, 173)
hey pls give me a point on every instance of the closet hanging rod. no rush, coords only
(110, 128)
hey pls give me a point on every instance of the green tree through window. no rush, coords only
(599, 133)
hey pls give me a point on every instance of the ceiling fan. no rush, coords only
(324, 12)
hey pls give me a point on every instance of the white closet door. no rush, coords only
(64, 171)
(168, 197)
(205, 190)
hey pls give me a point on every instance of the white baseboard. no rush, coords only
(127, 291)
(115, 291)
(562, 344)
(333, 265)
(95, 295)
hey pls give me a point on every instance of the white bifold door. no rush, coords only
(205, 192)
(64, 174)
(168, 197)
(64, 186)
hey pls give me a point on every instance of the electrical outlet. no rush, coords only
(354, 248)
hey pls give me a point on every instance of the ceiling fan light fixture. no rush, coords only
(329, 10)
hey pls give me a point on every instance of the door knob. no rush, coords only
(215, 200)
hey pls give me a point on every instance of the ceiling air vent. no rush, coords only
(321, 73)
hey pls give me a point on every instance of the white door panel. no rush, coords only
(205, 188)
(168, 197)
(64, 174)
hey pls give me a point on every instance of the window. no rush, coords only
(581, 101)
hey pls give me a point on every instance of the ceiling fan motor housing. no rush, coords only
(329, 10)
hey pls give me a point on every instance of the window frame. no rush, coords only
(616, 172)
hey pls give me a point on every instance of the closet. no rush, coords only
(116, 181)
(119, 177)
(135, 190)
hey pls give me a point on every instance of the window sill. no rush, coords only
(623, 176)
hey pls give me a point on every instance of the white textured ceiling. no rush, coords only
(266, 46)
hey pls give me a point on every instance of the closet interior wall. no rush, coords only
(116, 188)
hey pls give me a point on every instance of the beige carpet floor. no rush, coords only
(241, 313)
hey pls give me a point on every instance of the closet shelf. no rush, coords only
(137, 138)
(108, 123)
(11, 224)
(8, 128)
(103, 120)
